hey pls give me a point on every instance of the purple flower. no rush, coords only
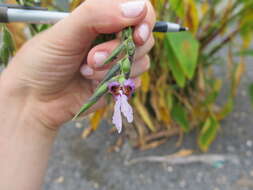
(121, 94)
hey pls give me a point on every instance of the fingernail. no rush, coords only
(132, 9)
(87, 71)
(144, 32)
(99, 58)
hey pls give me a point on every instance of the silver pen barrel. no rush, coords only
(35, 16)
(51, 17)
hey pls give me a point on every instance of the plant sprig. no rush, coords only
(120, 70)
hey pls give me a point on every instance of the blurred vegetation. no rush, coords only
(179, 92)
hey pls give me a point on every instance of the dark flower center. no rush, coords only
(127, 90)
(115, 90)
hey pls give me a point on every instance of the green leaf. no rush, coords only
(208, 133)
(7, 38)
(4, 54)
(226, 109)
(237, 75)
(179, 114)
(115, 53)
(43, 27)
(251, 93)
(248, 52)
(212, 96)
(7, 47)
(185, 48)
(169, 99)
(178, 7)
(174, 65)
(92, 100)
(111, 73)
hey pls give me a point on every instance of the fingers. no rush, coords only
(137, 82)
(144, 29)
(99, 53)
(142, 50)
(77, 31)
(139, 66)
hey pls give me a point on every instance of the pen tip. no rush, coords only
(183, 29)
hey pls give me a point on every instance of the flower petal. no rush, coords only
(126, 109)
(113, 86)
(129, 87)
(117, 118)
(129, 82)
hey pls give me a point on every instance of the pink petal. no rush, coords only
(130, 82)
(126, 109)
(113, 84)
(117, 118)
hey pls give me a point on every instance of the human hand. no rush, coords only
(54, 73)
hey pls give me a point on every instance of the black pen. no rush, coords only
(39, 15)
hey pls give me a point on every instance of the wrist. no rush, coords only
(18, 110)
(25, 142)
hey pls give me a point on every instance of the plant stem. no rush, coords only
(124, 65)
(115, 53)
(111, 73)
(224, 42)
(215, 31)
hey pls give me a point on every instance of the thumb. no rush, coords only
(75, 33)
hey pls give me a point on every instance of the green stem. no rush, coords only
(218, 27)
(124, 65)
(99, 92)
(224, 42)
(111, 73)
(115, 53)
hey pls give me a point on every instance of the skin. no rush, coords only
(42, 87)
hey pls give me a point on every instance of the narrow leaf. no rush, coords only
(177, 6)
(226, 109)
(144, 114)
(17, 31)
(208, 133)
(179, 114)
(248, 52)
(145, 82)
(237, 75)
(100, 91)
(75, 3)
(96, 118)
(115, 53)
(251, 93)
(111, 73)
(191, 15)
(7, 47)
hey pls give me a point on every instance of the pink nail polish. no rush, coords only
(87, 71)
(132, 9)
(144, 32)
(100, 57)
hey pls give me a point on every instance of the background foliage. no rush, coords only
(179, 92)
